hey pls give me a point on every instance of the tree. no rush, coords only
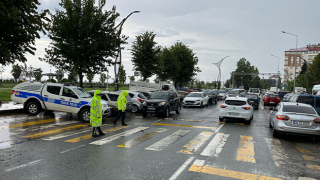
(16, 71)
(168, 65)
(132, 78)
(244, 66)
(264, 84)
(60, 75)
(122, 75)
(83, 37)
(255, 82)
(38, 74)
(19, 27)
(103, 78)
(145, 51)
(72, 77)
(315, 69)
(27, 71)
(187, 63)
(227, 83)
(90, 77)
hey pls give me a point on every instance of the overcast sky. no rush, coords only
(248, 29)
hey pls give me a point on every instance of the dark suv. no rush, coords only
(161, 103)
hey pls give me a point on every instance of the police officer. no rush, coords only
(96, 114)
(122, 106)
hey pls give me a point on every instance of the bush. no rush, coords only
(64, 80)
(52, 80)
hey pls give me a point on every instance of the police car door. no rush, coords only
(51, 97)
(69, 101)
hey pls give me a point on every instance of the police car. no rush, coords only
(36, 96)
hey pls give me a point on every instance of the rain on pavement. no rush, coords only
(190, 145)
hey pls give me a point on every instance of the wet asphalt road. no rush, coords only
(192, 145)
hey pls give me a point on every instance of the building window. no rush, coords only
(291, 67)
(286, 58)
(291, 61)
(287, 53)
(290, 77)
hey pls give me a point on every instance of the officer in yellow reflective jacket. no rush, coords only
(122, 106)
(96, 114)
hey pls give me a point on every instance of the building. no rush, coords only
(308, 53)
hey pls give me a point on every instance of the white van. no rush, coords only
(274, 89)
(315, 89)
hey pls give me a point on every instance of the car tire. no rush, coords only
(207, 103)
(166, 113)
(220, 119)
(216, 101)
(33, 108)
(247, 122)
(270, 125)
(134, 109)
(275, 133)
(144, 115)
(212, 101)
(85, 115)
(111, 114)
(178, 111)
(201, 105)
(317, 138)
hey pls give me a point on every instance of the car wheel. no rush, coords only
(134, 109)
(144, 115)
(167, 113)
(275, 133)
(207, 103)
(212, 101)
(317, 138)
(216, 101)
(247, 122)
(33, 108)
(85, 115)
(178, 111)
(201, 105)
(220, 119)
(111, 113)
(270, 125)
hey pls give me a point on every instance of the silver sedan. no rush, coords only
(289, 117)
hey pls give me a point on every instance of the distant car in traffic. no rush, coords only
(233, 93)
(222, 94)
(213, 98)
(271, 99)
(196, 99)
(254, 99)
(255, 91)
(314, 101)
(137, 99)
(289, 117)
(236, 107)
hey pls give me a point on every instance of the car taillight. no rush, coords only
(317, 120)
(266, 97)
(283, 117)
(13, 91)
(139, 100)
(278, 98)
(223, 106)
(246, 108)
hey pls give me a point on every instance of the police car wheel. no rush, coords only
(33, 108)
(85, 115)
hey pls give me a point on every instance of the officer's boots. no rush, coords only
(94, 133)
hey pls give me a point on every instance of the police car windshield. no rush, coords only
(82, 93)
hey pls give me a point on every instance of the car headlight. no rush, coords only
(162, 103)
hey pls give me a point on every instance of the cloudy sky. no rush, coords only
(248, 29)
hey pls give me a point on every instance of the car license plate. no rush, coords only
(190, 103)
(271, 102)
(302, 123)
(234, 114)
(152, 109)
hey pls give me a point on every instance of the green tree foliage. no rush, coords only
(72, 77)
(255, 82)
(90, 77)
(60, 75)
(227, 84)
(145, 52)
(315, 70)
(187, 64)
(132, 78)
(264, 84)
(122, 75)
(168, 65)
(83, 37)
(103, 78)
(19, 27)
(37, 74)
(244, 66)
(16, 71)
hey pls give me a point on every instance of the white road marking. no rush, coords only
(199, 162)
(117, 136)
(193, 145)
(182, 167)
(40, 127)
(278, 153)
(158, 146)
(219, 128)
(24, 165)
(72, 149)
(215, 146)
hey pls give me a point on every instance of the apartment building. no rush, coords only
(308, 53)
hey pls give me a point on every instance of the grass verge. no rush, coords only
(4, 85)
(5, 95)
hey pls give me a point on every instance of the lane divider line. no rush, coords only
(160, 145)
(182, 167)
(193, 145)
(204, 127)
(245, 150)
(24, 165)
(142, 138)
(71, 149)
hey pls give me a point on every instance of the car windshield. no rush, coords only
(234, 92)
(273, 95)
(221, 92)
(235, 102)
(195, 95)
(159, 95)
(209, 92)
(254, 90)
(82, 93)
(251, 96)
(298, 109)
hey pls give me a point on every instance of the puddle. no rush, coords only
(10, 105)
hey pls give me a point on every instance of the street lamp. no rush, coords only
(295, 61)
(277, 71)
(119, 52)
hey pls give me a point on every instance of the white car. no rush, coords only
(196, 99)
(255, 91)
(236, 107)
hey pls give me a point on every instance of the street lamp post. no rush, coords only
(119, 52)
(277, 70)
(295, 61)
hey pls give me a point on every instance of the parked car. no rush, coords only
(162, 103)
(314, 101)
(289, 117)
(254, 99)
(182, 93)
(271, 99)
(222, 94)
(236, 107)
(213, 98)
(112, 97)
(137, 101)
(196, 99)
(146, 94)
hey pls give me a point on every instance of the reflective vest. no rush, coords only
(96, 110)
(122, 101)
